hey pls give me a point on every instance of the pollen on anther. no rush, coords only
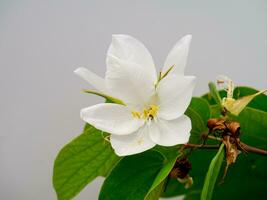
(136, 114)
(151, 112)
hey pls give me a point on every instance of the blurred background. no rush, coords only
(42, 42)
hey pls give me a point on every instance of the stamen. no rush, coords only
(148, 114)
(151, 112)
(136, 114)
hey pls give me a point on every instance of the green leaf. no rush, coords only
(132, 177)
(198, 126)
(200, 106)
(81, 161)
(171, 155)
(215, 111)
(245, 179)
(246, 175)
(258, 102)
(212, 174)
(253, 125)
(131, 165)
(156, 192)
(109, 99)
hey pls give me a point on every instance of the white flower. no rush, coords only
(154, 105)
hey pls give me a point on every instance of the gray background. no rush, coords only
(42, 42)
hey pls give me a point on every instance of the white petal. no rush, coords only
(111, 118)
(128, 48)
(174, 94)
(130, 72)
(134, 143)
(96, 81)
(169, 133)
(128, 82)
(178, 56)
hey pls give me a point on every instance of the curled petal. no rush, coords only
(112, 118)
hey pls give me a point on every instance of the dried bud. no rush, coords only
(181, 168)
(211, 123)
(174, 173)
(233, 127)
(216, 124)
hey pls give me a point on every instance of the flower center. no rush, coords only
(148, 113)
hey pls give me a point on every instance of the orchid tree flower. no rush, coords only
(153, 105)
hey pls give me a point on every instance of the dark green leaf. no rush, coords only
(253, 124)
(133, 177)
(246, 178)
(198, 126)
(200, 160)
(171, 155)
(156, 192)
(81, 161)
(200, 106)
(258, 102)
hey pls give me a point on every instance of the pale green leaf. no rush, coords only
(132, 177)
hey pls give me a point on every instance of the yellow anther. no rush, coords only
(151, 111)
(136, 114)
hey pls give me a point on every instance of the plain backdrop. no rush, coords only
(42, 42)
